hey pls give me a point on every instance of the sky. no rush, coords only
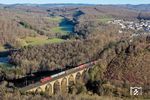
(77, 1)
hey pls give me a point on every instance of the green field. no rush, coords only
(58, 19)
(64, 30)
(104, 19)
(39, 40)
(5, 65)
(2, 48)
(55, 40)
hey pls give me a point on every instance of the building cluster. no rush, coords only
(133, 25)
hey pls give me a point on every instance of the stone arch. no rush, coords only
(71, 82)
(85, 75)
(38, 90)
(88, 69)
(78, 77)
(64, 86)
(49, 89)
(57, 87)
(81, 72)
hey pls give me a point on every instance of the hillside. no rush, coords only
(118, 71)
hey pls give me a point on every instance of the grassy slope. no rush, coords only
(39, 40)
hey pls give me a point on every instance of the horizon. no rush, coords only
(96, 2)
(67, 4)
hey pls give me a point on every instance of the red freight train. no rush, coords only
(45, 79)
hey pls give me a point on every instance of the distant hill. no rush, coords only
(141, 7)
(46, 5)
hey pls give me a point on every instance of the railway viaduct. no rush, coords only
(59, 84)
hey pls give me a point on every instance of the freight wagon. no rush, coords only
(43, 80)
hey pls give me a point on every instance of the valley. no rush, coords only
(58, 50)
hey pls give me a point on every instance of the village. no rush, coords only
(143, 25)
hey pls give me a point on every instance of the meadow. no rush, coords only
(39, 40)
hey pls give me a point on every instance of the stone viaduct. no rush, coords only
(59, 84)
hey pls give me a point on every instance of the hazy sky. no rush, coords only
(78, 1)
